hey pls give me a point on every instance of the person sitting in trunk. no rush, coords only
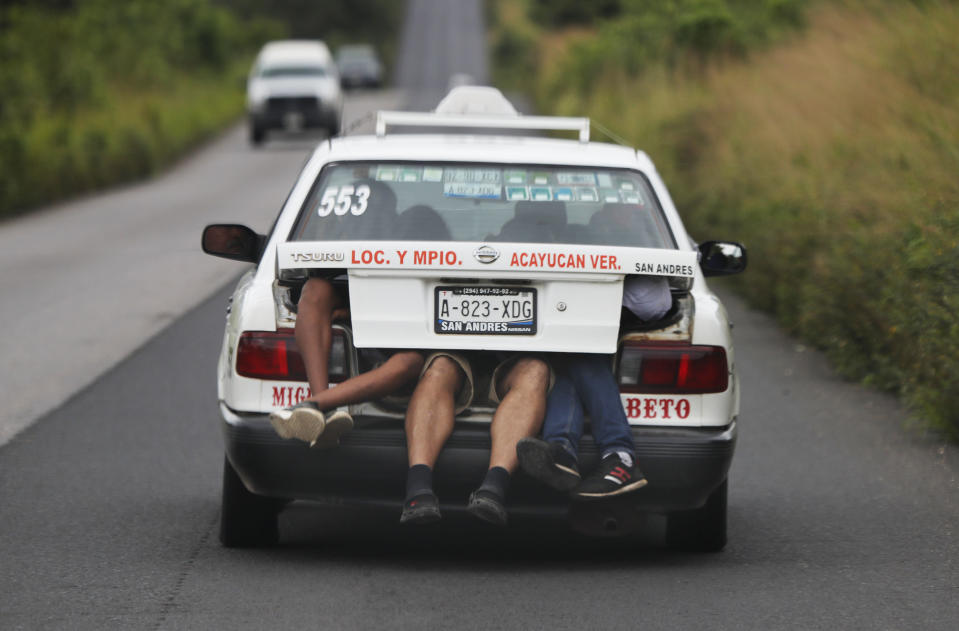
(518, 384)
(323, 300)
(586, 380)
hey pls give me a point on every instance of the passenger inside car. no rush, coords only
(422, 223)
(535, 222)
(377, 220)
(629, 225)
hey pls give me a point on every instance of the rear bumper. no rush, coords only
(369, 467)
(311, 113)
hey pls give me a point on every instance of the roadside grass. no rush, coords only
(98, 92)
(833, 155)
(132, 135)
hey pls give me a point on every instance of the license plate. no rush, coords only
(293, 121)
(485, 311)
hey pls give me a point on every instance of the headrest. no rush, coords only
(615, 211)
(623, 224)
(422, 223)
(543, 212)
(382, 197)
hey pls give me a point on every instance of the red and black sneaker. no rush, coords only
(614, 476)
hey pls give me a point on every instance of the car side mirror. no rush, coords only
(233, 241)
(722, 258)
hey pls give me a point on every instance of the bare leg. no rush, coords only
(385, 379)
(313, 333)
(520, 413)
(429, 417)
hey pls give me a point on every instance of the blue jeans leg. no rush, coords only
(564, 415)
(593, 379)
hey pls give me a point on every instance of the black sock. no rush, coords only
(419, 480)
(496, 481)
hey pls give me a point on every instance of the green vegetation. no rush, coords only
(96, 92)
(825, 138)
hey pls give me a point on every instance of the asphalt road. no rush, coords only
(86, 282)
(109, 504)
(441, 40)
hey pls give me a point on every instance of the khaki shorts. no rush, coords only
(466, 393)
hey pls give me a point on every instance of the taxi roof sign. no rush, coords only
(479, 107)
(385, 119)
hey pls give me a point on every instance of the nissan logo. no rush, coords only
(486, 254)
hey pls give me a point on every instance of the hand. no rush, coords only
(341, 313)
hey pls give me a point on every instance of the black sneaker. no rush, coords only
(421, 509)
(549, 463)
(487, 506)
(612, 477)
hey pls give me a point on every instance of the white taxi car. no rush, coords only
(454, 238)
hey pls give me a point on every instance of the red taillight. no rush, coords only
(274, 356)
(672, 369)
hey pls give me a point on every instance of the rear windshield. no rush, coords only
(482, 202)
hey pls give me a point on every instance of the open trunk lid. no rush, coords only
(480, 296)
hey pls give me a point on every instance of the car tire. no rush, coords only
(702, 529)
(257, 134)
(246, 519)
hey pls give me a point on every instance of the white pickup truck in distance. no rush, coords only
(293, 85)
(456, 238)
